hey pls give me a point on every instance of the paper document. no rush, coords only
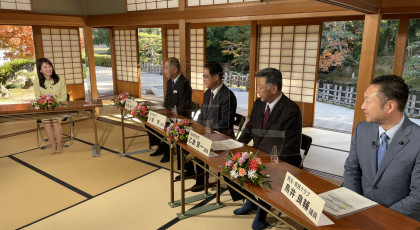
(324, 220)
(226, 145)
(343, 201)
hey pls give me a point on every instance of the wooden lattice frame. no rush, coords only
(62, 47)
(197, 58)
(173, 43)
(139, 5)
(293, 50)
(126, 54)
(16, 5)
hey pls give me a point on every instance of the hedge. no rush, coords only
(12, 67)
(101, 60)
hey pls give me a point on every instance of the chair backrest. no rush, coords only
(194, 106)
(239, 121)
(305, 145)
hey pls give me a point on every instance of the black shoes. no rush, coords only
(165, 158)
(187, 174)
(156, 153)
(197, 189)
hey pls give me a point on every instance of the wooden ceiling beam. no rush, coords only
(33, 19)
(363, 6)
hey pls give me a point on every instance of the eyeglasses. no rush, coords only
(206, 76)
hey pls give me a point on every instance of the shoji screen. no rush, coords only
(62, 47)
(16, 5)
(137, 5)
(126, 55)
(173, 43)
(215, 2)
(197, 58)
(294, 51)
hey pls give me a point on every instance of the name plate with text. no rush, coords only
(199, 143)
(156, 119)
(305, 199)
(130, 104)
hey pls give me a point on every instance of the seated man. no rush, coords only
(275, 120)
(218, 108)
(178, 93)
(384, 160)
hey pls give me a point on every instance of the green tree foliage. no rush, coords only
(100, 36)
(150, 45)
(9, 68)
(229, 44)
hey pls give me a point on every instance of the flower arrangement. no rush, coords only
(121, 99)
(246, 166)
(178, 131)
(141, 111)
(44, 102)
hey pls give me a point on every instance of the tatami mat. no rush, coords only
(92, 175)
(26, 196)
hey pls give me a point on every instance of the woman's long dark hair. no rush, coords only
(41, 76)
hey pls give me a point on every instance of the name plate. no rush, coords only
(130, 104)
(156, 119)
(199, 143)
(305, 199)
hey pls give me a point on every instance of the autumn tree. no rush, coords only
(17, 41)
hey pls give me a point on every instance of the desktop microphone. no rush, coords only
(375, 145)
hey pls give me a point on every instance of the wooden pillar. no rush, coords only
(164, 55)
(39, 48)
(401, 45)
(367, 62)
(113, 60)
(252, 96)
(87, 31)
(184, 48)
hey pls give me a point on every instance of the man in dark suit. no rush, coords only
(384, 160)
(178, 93)
(275, 120)
(218, 109)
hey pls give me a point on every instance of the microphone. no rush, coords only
(375, 145)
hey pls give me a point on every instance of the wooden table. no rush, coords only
(16, 112)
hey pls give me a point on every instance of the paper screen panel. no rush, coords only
(215, 2)
(197, 58)
(62, 47)
(173, 43)
(139, 5)
(294, 51)
(126, 55)
(16, 5)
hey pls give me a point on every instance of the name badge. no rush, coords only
(174, 91)
(156, 119)
(130, 104)
(199, 143)
(302, 197)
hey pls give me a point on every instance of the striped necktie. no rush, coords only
(211, 99)
(266, 115)
(382, 148)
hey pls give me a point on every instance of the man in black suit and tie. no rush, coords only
(218, 109)
(275, 120)
(178, 93)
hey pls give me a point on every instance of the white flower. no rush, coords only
(36, 107)
(251, 174)
(234, 174)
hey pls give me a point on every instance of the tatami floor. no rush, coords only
(74, 190)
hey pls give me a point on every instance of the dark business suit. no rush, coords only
(396, 184)
(282, 129)
(180, 97)
(221, 111)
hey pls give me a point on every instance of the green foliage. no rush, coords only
(100, 36)
(100, 60)
(150, 45)
(12, 67)
(229, 44)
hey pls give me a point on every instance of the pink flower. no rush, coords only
(242, 172)
(176, 138)
(47, 98)
(258, 160)
(230, 163)
(241, 160)
(245, 155)
(181, 131)
(169, 129)
(177, 128)
(48, 95)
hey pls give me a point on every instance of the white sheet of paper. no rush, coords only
(226, 145)
(324, 220)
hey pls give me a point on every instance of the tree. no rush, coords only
(100, 36)
(150, 47)
(17, 41)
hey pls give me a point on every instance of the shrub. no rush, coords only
(100, 60)
(11, 67)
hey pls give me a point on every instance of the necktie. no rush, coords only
(173, 84)
(266, 115)
(211, 98)
(382, 148)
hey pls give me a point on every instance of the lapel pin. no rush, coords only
(401, 142)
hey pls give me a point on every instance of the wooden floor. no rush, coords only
(74, 190)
